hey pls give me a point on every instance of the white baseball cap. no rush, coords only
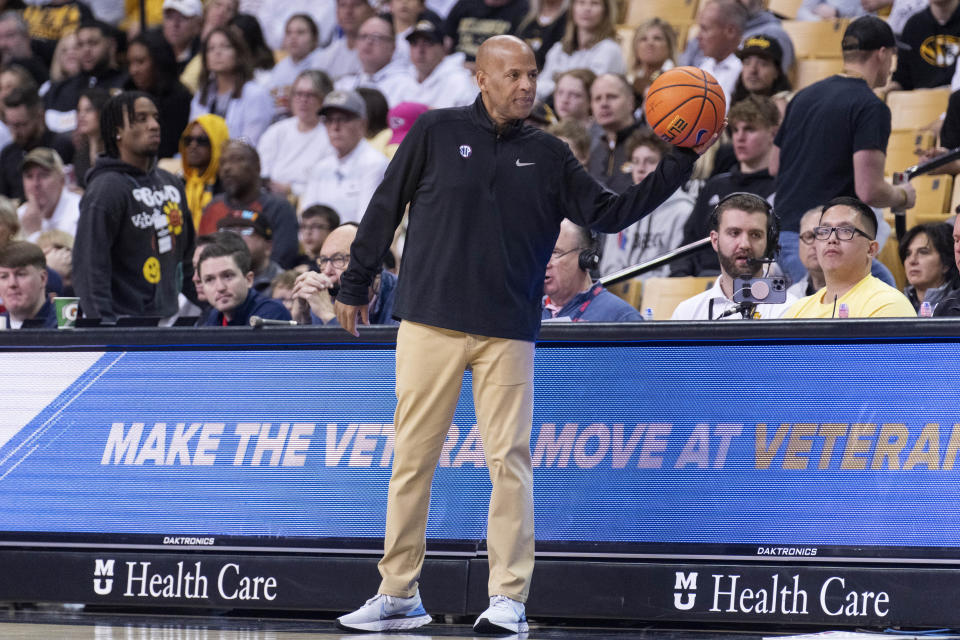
(186, 8)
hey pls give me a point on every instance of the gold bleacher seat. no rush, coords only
(673, 11)
(955, 199)
(786, 8)
(664, 294)
(917, 108)
(933, 193)
(890, 257)
(629, 291)
(902, 149)
(810, 70)
(817, 39)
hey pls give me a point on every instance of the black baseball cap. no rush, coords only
(428, 26)
(763, 46)
(868, 33)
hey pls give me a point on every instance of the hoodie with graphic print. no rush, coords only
(134, 244)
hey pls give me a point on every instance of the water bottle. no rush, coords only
(926, 311)
(844, 311)
(648, 314)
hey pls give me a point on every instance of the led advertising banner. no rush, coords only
(765, 450)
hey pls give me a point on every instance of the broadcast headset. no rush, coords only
(752, 202)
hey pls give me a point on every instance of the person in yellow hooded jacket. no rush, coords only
(200, 147)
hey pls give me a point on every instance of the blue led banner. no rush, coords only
(780, 446)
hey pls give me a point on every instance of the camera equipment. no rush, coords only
(760, 290)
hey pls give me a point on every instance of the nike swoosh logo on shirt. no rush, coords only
(524, 164)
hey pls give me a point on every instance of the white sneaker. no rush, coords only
(502, 616)
(386, 613)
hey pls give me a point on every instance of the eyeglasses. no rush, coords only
(305, 95)
(556, 255)
(338, 260)
(843, 233)
(338, 119)
(807, 237)
(202, 141)
(374, 37)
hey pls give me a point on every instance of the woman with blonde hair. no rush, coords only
(654, 51)
(589, 42)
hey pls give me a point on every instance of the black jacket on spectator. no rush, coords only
(611, 167)
(256, 304)
(704, 262)
(926, 61)
(63, 95)
(11, 180)
(134, 245)
(470, 22)
(485, 212)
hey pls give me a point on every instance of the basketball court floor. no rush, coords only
(57, 623)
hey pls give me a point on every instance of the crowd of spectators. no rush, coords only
(157, 145)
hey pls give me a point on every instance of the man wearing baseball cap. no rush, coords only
(182, 21)
(833, 139)
(345, 180)
(762, 73)
(442, 81)
(49, 204)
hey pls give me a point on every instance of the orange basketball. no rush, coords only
(685, 106)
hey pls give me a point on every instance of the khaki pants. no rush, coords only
(430, 366)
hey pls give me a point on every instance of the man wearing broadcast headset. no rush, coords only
(744, 232)
(487, 194)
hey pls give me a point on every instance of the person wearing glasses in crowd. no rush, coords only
(807, 249)
(200, 147)
(345, 180)
(316, 223)
(570, 292)
(376, 44)
(315, 291)
(290, 148)
(846, 245)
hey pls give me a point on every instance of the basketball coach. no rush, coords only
(487, 194)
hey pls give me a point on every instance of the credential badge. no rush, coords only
(465, 151)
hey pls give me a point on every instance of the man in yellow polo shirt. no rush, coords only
(846, 243)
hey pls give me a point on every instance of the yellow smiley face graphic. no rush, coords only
(151, 270)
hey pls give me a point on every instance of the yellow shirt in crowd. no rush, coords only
(869, 298)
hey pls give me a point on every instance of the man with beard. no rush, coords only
(132, 254)
(98, 50)
(741, 232)
(244, 197)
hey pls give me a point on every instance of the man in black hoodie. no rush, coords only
(132, 254)
(487, 194)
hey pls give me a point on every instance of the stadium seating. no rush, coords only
(810, 70)
(664, 294)
(820, 39)
(917, 108)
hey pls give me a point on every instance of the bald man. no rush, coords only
(487, 194)
(314, 291)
